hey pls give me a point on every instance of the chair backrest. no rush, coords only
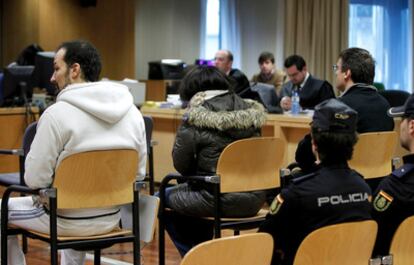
(402, 244)
(96, 179)
(28, 137)
(339, 244)
(267, 96)
(373, 154)
(251, 164)
(245, 249)
(148, 131)
(395, 97)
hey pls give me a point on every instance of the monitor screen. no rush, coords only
(44, 71)
(17, 85)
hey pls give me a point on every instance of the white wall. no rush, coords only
(262, 26)
(166, 29)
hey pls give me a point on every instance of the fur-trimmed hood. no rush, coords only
(200, 114)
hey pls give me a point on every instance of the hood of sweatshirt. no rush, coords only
(105, 100)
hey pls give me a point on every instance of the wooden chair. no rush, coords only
(7, 179)
(235, 250)
(402, 244)
(246, 165)
(84, 180)
(149, 124)
(340, 244)
(373, 154)
(17, 178)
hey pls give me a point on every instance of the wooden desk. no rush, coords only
(166, 121)
(13, 122)
(289, 128)
(156, 90)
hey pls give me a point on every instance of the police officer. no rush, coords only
(333, 194)
(394, 197)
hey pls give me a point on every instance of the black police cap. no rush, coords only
(333, 115)
(405, 110)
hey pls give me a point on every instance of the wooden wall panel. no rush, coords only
(109, 26)
(19, 27)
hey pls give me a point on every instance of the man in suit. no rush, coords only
(311, 90)
(355, 71)
(223, 60)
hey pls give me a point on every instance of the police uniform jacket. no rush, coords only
(333, 194)
(393, 202)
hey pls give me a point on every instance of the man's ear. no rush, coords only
(411, 127)
(75, 71)
(347, 74)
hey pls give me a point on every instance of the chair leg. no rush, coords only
(24, 243)
(97, 257)
(53, 255)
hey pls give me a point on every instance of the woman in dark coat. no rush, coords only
(215, 117)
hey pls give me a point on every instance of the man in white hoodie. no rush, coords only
(88, 115)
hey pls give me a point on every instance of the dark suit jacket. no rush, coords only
(313, 92)
(372, 117)
(240, 81)
(371, 107)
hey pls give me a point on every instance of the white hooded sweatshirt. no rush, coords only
(85, 117)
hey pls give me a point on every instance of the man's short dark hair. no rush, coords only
(295, 60)
(203, 78)
(361, 64)
(334, 147)
(264, 56)
(86, 55)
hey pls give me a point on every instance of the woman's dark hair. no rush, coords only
(86, 55)
(334, 147)
(202, 78)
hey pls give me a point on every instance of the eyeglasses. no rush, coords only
(335, 67)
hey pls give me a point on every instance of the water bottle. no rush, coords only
(295, 103)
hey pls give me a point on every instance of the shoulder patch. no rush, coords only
(402, 171)
(303, 178)
(276, 204)
(382, 201)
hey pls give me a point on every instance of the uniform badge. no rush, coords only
(276, 203)
(382, 201)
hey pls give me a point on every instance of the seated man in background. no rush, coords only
(394, 197)
(305, 205)
(215, 117)
(88, 115)
(223, 60)
(268, 73)
(311, 90)
(355, 71)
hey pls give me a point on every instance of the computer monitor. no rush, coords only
(44, 71)
(169, 69)
(17, 85)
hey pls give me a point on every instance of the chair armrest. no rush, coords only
(5, 201)
(18, 152)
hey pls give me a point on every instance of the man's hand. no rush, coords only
(286, 103)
